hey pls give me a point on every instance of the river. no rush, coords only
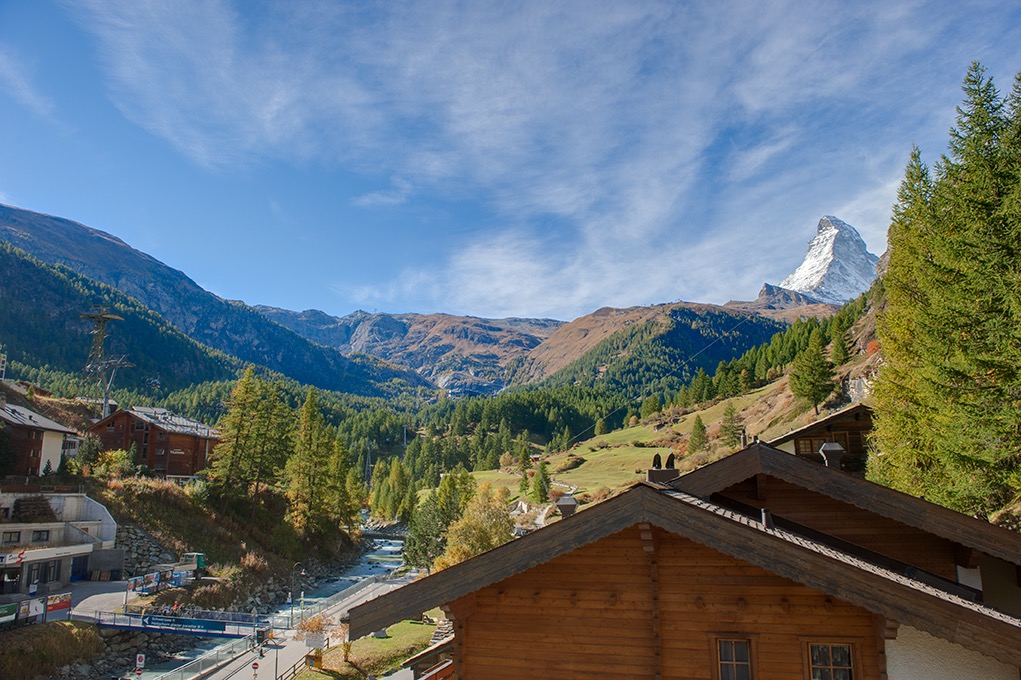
(383, 557)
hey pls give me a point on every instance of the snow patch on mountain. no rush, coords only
(838, 265)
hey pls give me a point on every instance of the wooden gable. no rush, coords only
(773, 551)
(647, 603)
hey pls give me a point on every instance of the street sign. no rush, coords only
(255, 665)
(152, 620)
(139, 660)
(138, 671)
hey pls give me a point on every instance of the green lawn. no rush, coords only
(378, 656)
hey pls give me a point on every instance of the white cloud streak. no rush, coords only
(16, 80)
(630, 152)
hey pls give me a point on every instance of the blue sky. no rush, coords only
(493, 159)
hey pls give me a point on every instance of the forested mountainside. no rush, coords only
(645, 350)
(40, 308)
(229, 326)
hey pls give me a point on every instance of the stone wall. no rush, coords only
(118, 659)
(141, 550)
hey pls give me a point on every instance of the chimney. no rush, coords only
(831, 453)
(767, 519)
(744, 438)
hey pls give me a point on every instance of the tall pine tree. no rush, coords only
(948, 402)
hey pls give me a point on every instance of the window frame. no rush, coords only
(714, 651)
(15, 538)
(40, 535)
(855, 645)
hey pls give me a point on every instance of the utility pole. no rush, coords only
(98, 363)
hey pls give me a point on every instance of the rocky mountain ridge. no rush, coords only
(462, 354)
(361, 351)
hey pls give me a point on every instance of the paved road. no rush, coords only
(283, 652)
(105, 596)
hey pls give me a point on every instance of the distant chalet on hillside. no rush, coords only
(171, 445)
(762, 565)
(847, 428)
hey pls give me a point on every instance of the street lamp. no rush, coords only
(290, 595)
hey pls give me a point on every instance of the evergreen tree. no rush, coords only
(838, 351)
(651, 405)
(541, 484)
(426, 533)
(600, 427)
(946, 401)
(306, 488)
(730, 427)
(88, 453)
(811, 377)
(697, 441)
(230, 473)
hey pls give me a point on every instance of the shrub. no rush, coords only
(253, 563)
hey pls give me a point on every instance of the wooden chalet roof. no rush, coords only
(167, 421)
(821, 422)
(19, 416)
(848, 577)
(913, 511)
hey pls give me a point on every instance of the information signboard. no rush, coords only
(58, 602)
(183, 623)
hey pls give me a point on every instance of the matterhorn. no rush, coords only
(838, 265)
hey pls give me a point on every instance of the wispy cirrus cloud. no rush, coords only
(397, 195)
(16, 80)
(624, 151)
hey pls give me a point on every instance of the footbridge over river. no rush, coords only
(202, 623)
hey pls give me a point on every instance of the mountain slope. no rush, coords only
(230, 326)
(643, 350)
(837, 265)
(784, 305)
(460, 353)
(40, 323)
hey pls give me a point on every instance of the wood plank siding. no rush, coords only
(589, 613)
(847, 522)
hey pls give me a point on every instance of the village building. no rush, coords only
(49, 540)
(760, 566)
(848, 428)
(35, 441)
(172, 446)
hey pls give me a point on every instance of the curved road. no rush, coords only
(284, 651)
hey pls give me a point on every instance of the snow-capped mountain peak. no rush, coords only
(838, 265)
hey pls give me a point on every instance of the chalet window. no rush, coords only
(734, 659)
(811, 445)
(40, 536)
(828, 661)
(12, 537)
(109, 428)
